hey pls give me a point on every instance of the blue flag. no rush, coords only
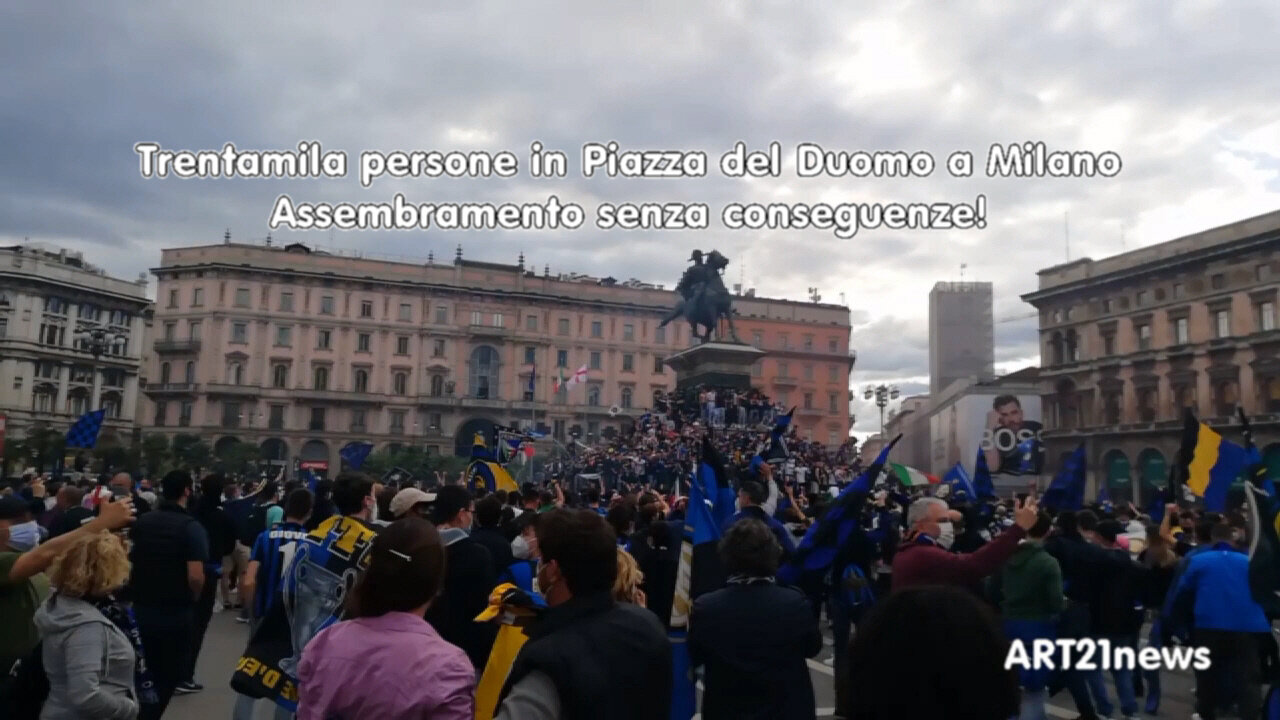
(776, 452)
(1066, 492)
(533, 371)
(84, 433)
(823, 541)
(355, 453)
(960, 483)
(1104, 497)
(699, 572)
(982, 483)
(310, 479)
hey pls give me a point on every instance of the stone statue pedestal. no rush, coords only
(715, 363)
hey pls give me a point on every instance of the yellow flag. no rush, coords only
(505, 648)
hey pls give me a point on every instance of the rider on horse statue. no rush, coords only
(704, 298)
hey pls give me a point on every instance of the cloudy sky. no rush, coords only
(1184, 92)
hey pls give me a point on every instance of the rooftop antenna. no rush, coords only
(962, 267)
(226, 237)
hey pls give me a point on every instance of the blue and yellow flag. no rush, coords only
(491, 476)
(1212, 463)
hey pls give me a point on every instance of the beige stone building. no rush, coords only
(48, 373)
(300, 351)
(1127, 342)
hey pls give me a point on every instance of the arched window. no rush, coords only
(400, 383)
(43, 399)
(78, 402)
(320, 378)
(362, 380)
(111, 405)
(164, 373)
(280, 376)
(437, 385)
(190, 375)
(626, 398)
(483, 367)
(235, 373)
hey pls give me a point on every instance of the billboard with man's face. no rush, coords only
(1006, 427)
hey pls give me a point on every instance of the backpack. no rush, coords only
(255, 524)
(26, 687)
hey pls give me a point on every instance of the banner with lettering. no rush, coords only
(323, 569)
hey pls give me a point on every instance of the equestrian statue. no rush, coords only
(703, 297)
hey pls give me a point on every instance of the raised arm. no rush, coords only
(112, 516)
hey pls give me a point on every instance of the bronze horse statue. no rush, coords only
(704, 298)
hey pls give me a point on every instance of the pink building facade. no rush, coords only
(300, 352)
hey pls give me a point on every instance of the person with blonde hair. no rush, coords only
(626, 586)
(90, 648)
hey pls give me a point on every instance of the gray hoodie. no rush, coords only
(89, 662)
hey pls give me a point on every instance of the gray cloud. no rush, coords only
(1182, 91)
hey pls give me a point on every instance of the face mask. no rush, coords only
(24, 537)
(520, 548)
(946, 535)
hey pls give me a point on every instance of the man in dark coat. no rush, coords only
(470, 576)
(588, 656)
(753, 636)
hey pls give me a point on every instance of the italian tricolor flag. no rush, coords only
(909, 476)
(560, 381)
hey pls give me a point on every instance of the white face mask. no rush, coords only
(25, 536)
(520, 548)
(946, 535)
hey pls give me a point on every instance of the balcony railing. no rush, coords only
(230, 389)
(177, 346)
(484, 403)
(488, 330)
(179, 387)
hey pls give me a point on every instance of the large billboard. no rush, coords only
(1006, 427)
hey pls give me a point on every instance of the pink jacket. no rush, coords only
(390, 667)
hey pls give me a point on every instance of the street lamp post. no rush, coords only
(882, 395)
(98, 340)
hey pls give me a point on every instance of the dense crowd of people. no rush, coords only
(107, 589)
(660, 449)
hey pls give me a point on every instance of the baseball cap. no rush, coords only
(407, 498)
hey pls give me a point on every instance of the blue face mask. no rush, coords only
(24, 537)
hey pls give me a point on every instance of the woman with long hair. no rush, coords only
(1161, 562)
(91, 648)
(386, 661)
(626, 586)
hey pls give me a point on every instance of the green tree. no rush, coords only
(192, 453)
(112, 458)
(46, 447)
(155, 453)
(238, 459)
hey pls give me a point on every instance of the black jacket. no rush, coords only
(607, 660)
(497, 544)
(657, 553)
(753, 640)
(469, 577)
